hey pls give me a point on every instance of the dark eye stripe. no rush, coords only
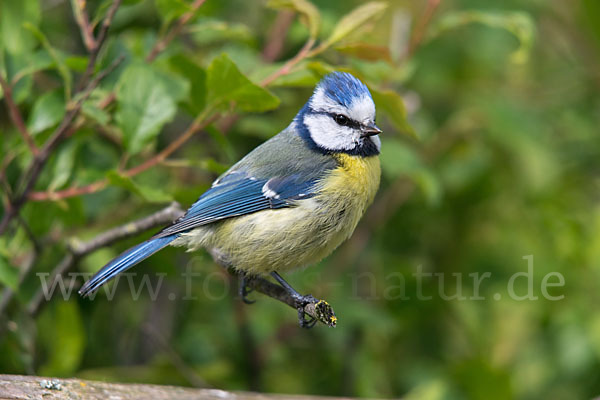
(349, 122)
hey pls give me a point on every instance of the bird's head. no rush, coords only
(340, 117)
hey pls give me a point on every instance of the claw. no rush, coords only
(244, 291)
(305, 323)
(302, 320)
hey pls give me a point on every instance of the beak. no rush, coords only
(370, 130)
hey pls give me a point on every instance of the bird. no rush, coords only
(289, 202)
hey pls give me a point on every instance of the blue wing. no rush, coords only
(238, 194)
(234, 195)
(270, 177)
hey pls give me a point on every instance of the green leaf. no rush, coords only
(63, 338)
(61, 67)
(77, 63)
(391, 104)
(63, 167)
(307, 74)
(177, 87)
(147, 101)
(48, 110)
(36, 61)
(299, 78)
(366, 51)
(518, 23)
(147, 193)
(90, 110)
(310, 14)
(206, 32)
(9, 275)
(171, 9)
(15, 64)
(13, 14)
(320, 68)
(196, 75)
(355, 20)
(225, 84)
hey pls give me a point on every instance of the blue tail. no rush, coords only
(125, 261)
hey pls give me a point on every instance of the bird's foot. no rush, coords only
(244, 290)
(302, 302)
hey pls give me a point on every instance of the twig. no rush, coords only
(78, 250)
(160, 45)
(16, 117)
(277, 36)
(271, 52)
(89, 70)
(320, 309)
(421, 27)
(81, 17)
(34, 170)
(7, 195)
(198, 124)
(105, 102)
(287, 67)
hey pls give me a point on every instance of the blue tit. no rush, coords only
(292, 200)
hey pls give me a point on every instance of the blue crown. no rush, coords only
(343, 88)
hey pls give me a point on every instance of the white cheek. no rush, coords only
(329, 135)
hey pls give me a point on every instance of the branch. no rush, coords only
(16, 117)
(421, 27)
(78, 249)
(277, 36)
(160, 45)
(8, 158)
(81, 17)
(99, 42)
(198, 124)
(35, 168)
(304, 52)
(320, 309)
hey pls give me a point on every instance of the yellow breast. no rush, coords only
(355, 180)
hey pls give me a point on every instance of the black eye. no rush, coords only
(341, 119)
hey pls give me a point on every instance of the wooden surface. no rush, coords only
(35, 387)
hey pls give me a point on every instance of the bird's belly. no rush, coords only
(282, 239)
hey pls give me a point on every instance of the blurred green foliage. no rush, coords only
(490, 154)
